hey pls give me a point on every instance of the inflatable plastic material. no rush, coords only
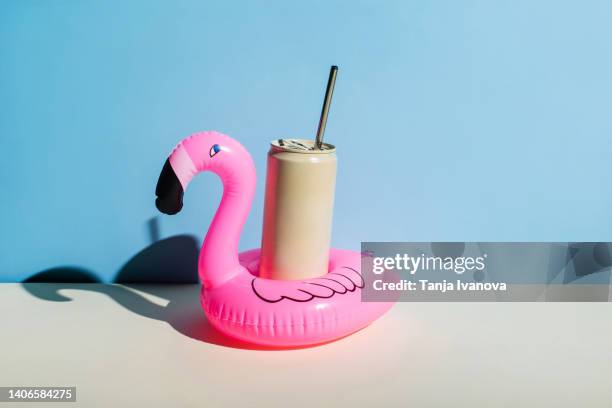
(282, 313)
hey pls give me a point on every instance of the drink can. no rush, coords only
(298, 210)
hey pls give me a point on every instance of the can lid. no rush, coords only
(301, 146)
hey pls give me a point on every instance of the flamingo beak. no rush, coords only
(169, 191)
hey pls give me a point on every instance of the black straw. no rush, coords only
(326, 103)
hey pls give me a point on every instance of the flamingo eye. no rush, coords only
(214, 150)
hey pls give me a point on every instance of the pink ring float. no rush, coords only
(281, 313)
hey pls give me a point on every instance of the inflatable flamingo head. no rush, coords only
(228, 159)
(204, 151)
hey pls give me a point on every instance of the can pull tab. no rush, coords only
(329, 92)
(295, 144)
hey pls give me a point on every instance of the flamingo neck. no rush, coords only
(218, 260)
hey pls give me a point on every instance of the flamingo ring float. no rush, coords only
(238, 303)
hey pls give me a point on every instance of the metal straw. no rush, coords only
(326, 103)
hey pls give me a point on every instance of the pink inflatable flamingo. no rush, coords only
(238, 303)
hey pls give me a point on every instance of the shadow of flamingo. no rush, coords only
(167, 269)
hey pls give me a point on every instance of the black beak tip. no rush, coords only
(168, 206)
(169, 191)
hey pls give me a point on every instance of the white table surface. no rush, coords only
(152, 347)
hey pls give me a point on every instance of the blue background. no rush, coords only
(471, 120)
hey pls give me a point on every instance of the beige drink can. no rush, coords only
(298, 209)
